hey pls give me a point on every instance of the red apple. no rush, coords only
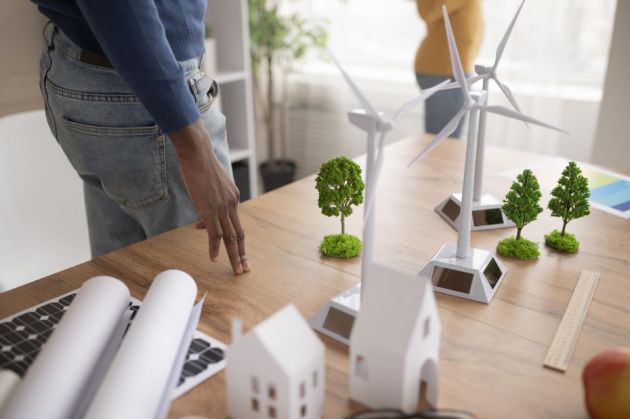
(606, 380)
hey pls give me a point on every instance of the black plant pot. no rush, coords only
(282, 173)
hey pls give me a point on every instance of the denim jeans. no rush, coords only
(131, 180)
(442, 106)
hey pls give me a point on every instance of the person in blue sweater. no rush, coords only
(132, 111)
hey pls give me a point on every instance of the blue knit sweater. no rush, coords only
(144, 40)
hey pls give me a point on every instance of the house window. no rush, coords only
(302, 389)
(255, 385)
(271, 411)
(360, 367)
(427, 327)
(303, 410)
(255, 405)
(272, 392)
(315, 378)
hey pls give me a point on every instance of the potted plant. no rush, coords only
(278, 41)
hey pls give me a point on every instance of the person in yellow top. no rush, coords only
(433, 63)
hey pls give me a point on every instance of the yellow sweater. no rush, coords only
(432, 56)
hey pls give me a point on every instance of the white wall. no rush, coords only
(42, 218)
(612, 147)
(20, 45)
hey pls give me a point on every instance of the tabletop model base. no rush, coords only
(476, 277)
(486, 214)
(336, 318)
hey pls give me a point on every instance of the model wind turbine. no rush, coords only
(336, 318)
(486, 210)
(461, 270)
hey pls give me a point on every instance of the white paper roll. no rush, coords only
(62, 376)
(135, 384)
(8, 381)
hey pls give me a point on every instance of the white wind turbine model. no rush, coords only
(461, 270)
(486, 210)
(335, 319)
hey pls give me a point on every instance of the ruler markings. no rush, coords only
(568, 332)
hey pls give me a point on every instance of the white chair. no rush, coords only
(43, 228)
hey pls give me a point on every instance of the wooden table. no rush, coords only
(492, 355)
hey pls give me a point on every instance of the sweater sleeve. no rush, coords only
(132, 36)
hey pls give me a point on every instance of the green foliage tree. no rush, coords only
(278, 40)
(522, 202)
(569, 199)
(340, 187)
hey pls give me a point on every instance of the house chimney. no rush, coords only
(237, 329)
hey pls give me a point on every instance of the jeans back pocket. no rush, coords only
(129, 162)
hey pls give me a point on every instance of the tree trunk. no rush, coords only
(564, 227)
(518, 233)
(270, 114)
(343, 224)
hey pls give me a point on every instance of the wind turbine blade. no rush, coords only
(355, 89)
(500, 110)
(510, 97)
(458, 70)
(445, 132)
(424, 95)
(506, 37)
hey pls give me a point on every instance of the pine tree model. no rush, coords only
(522, 206)
(569, 200)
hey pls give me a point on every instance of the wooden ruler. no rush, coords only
(566, 337)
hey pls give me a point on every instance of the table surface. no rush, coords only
(491, 355)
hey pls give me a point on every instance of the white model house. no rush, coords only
(276, 370)
(395, 342)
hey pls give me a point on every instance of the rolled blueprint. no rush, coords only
(67, 370)
(139, 377)
(8, 381)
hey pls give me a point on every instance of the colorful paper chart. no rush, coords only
(610, 192)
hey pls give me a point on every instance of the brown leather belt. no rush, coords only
(93, 58)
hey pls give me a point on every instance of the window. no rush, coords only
(360, 367)
(302, 389)
(363, 32)
(255, 405)
(427, 327)
(271, 411)
(272, 392)
(303, 410)
(255, 385)
(314, 378)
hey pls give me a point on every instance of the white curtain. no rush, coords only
(555, 61)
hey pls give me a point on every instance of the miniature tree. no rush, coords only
(522, 206)
(569, 200)
(340, 187)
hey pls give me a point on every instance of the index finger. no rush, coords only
(240, 237)
(230, 240)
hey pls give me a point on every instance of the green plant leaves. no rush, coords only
(340, 186)
(570, 198)
(522, 202)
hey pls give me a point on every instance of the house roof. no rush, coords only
(391, 306)
(288, 339)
